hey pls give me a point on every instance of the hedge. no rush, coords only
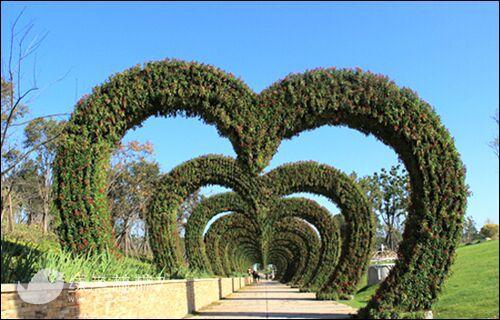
(329, 233)
(256, 124)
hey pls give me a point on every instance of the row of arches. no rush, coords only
(263, 205)
(256, 124)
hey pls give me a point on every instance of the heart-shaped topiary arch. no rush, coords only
(255, 125)
(301, 208)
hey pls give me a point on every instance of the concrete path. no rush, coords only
(273, 300)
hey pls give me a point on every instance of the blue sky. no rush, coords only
(447, 52)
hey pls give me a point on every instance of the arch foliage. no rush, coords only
(256, 124)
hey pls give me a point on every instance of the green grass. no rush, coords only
(362, 296)
(472, 289)
(31, 236)
(470, 292)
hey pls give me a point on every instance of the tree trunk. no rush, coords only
(30, 217)
(10, 217)
(45, 218)
(2, 212)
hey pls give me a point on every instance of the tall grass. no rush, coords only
(21, 262)
(18, 261)
(186, 273)
(26, 250)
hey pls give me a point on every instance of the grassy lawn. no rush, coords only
(470, 292)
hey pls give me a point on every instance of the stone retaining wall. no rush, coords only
(129, 299)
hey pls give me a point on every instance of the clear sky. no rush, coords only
(447, 52)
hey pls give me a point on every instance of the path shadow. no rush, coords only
(276, 315)
(191, 304)
(257, 299)
(271, 291)
(220, 288)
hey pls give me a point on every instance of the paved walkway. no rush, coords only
(273, 300)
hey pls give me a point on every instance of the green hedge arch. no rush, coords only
(325, 180)
(231, 227)
(198, 220)
(255, 125)
(259, 192)
(100, 120)
(173, 188)
(294, 228)
(282, 257)
(242, 257)
(301, 208)
(295, 265)
(397, 117)
(233, 241)
(234, 253)
(230, 230)
(329, 232)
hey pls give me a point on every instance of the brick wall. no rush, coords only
(134, 299)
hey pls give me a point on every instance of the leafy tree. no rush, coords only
(132, 180)
(27, 201)
(469, 231)
(16, 95)
(43, 133)
(132, 177)
(371, 186)
(388, 192)
(10, 151)
(186, 209)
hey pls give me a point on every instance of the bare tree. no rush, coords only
(494, 142)
(17, 93)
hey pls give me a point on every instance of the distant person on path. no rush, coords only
(255, 276)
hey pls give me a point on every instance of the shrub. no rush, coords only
(490, 230)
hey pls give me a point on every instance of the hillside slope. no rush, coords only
(471, 290)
